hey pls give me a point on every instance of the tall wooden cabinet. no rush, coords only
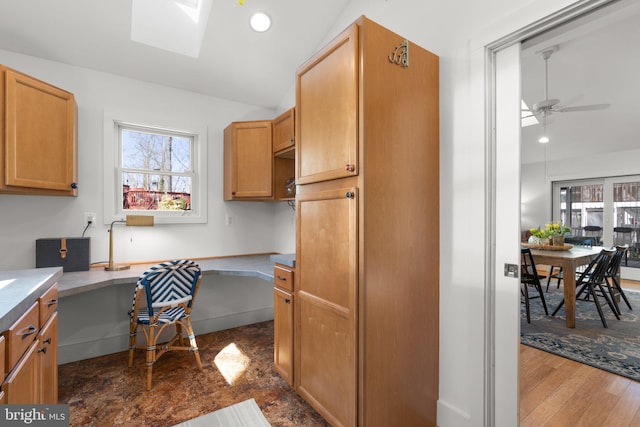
(37, 137)
(367, 255)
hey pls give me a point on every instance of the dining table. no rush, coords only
(569, 260)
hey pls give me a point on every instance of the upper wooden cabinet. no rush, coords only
(38, 137)
(284, 131)
(248, 161)
(327, 112)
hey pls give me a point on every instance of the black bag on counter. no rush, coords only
(71, 253)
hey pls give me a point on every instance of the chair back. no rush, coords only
(622, 235)
(528, 271)
(170, 283)
(597, 268)
(616, 260)
(581, 241)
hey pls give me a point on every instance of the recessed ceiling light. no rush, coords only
(260, 22)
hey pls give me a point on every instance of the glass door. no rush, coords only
(605, 208)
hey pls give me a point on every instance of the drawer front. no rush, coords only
(283, 278)
(48, 303)
(21, 335)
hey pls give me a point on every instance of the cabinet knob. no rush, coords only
(74, 185)
(287, 300)
(291, 139)
(349, 195)
(349, 167)
(47, 341)
(42, 350)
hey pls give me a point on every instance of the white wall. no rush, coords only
(27, 218)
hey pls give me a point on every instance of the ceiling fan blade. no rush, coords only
(591, 107)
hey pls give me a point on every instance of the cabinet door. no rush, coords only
(40, 136)
(327, 112)
(326, 294)
(283, 131)
(21, 385)
(283, 334)
(248, 160)
(48, 354)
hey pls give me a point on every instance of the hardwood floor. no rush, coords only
(555, 391)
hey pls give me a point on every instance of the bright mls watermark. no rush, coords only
(34, 415)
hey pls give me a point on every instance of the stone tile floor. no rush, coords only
(238, 365)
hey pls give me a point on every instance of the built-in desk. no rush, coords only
(260, 266)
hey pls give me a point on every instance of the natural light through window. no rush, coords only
(527, 118)
(231, 363)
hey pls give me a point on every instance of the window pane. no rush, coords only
(155, 152)
(142, 191)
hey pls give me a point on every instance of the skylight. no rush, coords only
(525, 113)
(174, 25)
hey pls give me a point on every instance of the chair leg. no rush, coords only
(592, 292)
(616, 284)
(192, 342)
(611, 302)
(544, 303)
(133, 328)
(151, 354)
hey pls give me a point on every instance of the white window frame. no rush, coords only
(113, 209)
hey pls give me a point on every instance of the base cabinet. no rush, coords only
(31, 356)
(283, 304)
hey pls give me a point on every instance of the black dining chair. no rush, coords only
(611, 278)
(622, 236)
(583, 241)
(594, 231)
(589, 284)
(529, 277)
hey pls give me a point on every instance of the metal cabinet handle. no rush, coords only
(284, 279)
(47, 341)
(52, 302)
(42, 350)
(29, 330)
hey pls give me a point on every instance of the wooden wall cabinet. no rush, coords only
(38, 149)
(283, 304)
(367, 250)
(31, 358)
(259, 159)
(248, 161)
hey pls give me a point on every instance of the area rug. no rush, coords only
(615, 349)
(243, 414)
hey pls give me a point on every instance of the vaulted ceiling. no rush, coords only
(597, 61)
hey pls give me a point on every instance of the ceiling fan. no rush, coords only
(548, 106)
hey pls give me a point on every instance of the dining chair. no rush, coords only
(594, 231)
(164, 296)
(529, 277)
(583, 241)
(589, 284)
(623, 236)
(611, 278)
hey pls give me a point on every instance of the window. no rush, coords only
(157, 170)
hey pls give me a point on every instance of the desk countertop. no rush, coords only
(19, 289)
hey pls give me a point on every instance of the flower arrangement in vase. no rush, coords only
(552, 235)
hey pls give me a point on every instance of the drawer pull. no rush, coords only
(29, 330)
(52, 302)
(284, 279)
(47, 341)
(42, 350)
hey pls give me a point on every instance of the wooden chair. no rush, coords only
(589, 284)
(529, 277)
(164, 296)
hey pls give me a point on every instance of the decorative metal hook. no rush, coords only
(400, 56)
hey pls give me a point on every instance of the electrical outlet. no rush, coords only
(228, 219)
(89, 218)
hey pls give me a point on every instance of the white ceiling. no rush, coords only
(235, 62)
(597, 62)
